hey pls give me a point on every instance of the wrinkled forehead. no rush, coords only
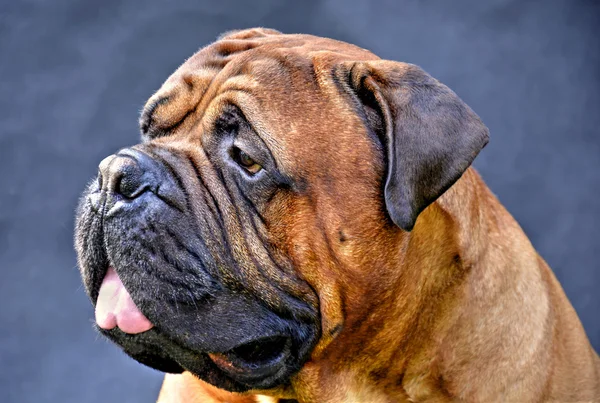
(275, 79)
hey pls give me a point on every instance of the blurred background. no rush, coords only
(75, 74)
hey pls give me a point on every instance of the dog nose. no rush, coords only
(122, 175)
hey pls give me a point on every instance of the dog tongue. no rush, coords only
(116, 308)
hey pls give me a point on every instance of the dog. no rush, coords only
(301, 221)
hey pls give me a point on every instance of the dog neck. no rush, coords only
(412, 333)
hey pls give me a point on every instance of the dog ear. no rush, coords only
(429, 134)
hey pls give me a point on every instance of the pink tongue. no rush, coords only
(116, 308)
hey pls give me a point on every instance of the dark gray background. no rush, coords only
(74, 75)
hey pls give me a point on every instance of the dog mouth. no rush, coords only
(254, 360)
(249, 362)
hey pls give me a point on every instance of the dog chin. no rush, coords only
(258, 365)
(248, 346)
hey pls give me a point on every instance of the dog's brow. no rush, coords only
(231, 116)
(146, 118)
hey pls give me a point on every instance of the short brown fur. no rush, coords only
(461, 308)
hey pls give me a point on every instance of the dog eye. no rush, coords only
(245, 161)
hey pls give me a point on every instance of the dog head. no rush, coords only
(275, 171)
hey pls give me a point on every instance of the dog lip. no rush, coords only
(215, 368)
(93, 282)
(255, 360)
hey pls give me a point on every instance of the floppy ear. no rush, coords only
(430, 135)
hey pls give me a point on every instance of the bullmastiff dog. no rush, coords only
(300, 221)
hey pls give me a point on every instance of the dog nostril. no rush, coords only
(129, 184)
(121, 175)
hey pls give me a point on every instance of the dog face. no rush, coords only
(273, 171)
